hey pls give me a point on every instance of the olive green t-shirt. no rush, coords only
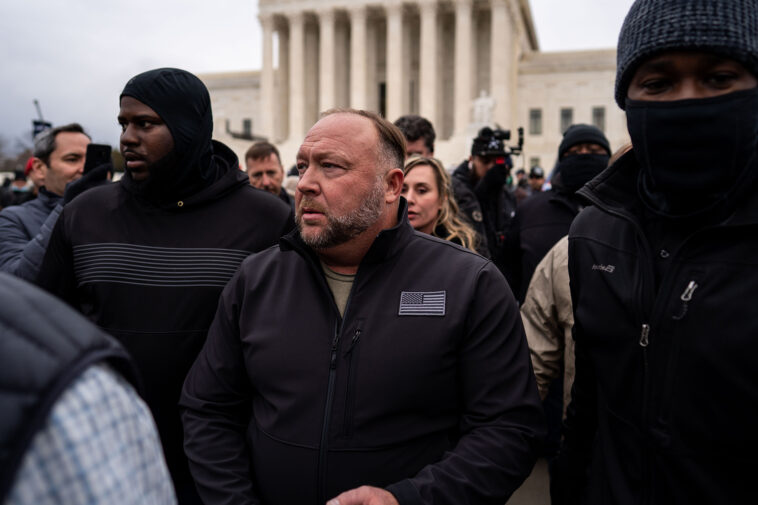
(340, 286)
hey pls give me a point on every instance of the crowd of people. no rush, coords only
(378, 329)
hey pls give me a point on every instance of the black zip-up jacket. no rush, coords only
(290, 404)
(489, 207)
(665, 399)
(540, 222)
(151, 275)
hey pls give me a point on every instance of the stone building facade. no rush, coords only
(462, 64)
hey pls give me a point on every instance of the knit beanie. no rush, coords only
(582, 134)
(725, 27)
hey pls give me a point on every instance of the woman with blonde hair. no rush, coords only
(431, 206)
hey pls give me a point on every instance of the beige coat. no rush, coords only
(548, 317)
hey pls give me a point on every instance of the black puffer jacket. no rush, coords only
(666, 390)
(44, 347)
(540, 221)
(439, 408)
(489, 208)
(151, 274)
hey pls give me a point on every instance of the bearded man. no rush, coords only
(402, 374)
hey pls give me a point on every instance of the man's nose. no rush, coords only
(128, 136)
(308, 181)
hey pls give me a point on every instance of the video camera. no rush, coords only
(491, 143)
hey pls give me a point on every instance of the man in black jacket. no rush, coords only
(544, 218)
(402, 375)
(480, 189)
(147, 258)
(664, 270)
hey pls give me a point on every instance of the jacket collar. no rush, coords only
(615, 189)
(48, 199)
(387, 243)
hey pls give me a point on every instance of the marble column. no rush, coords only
(297, 77)
(463, 66)
(501, 63)
(395, 106)
(268, 98)
(428, 71)
(358, 68)
(326, 60)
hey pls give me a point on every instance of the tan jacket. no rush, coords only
(548, 317)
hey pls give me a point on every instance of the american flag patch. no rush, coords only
(422, 303)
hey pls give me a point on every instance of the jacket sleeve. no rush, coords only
(545, 313)
(30, 259)
(56, 273)
(569, 472)
(511, 259)
(13, 239)
(501, 419)
(215, 409)
(468, 206)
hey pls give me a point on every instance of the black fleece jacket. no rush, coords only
(666, 391)
(290, 404)
(540, 222)
(151, 274)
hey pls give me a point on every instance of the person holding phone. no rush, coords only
(59, 160)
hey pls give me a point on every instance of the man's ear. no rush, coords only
(39, 166)
(394, 181)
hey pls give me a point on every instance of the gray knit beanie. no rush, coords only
(725, 27)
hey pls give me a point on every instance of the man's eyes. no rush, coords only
(654, 85)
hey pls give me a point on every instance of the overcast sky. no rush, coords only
(75, 56)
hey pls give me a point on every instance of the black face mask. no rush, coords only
(693, 153)
(577, 169)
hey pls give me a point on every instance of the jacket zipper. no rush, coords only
(644, 340)
(685, 298)
(323, 446)
(347, 423)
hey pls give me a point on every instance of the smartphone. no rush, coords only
(97, 154)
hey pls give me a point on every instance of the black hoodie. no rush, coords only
(150, 270)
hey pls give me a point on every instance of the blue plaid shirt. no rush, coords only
(99, 445)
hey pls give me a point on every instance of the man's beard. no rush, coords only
(340, 229)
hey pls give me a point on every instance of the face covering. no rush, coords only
(577, 169)
(693, 153)
(183, 103)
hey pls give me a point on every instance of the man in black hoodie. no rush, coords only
(664, 270)
(147, 258)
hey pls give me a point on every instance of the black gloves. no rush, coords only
(95, 177)
(493, 180)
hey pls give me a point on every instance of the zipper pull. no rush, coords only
(353, 342)
(645, 335)
(333, 358)
(686, 297)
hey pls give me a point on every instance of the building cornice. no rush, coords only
(568, 61)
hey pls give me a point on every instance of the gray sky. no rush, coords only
(75, 56)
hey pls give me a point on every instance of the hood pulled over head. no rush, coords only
(183, 103)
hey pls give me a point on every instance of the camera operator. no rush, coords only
(479, 187)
